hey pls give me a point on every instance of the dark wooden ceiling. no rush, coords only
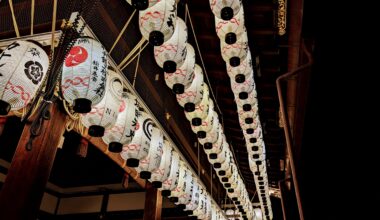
(268, 49)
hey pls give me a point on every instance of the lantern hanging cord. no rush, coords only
(15, 26)
(122, 31)
(136, 69)
(53, 23)
(32, 17)
(134, 57)
(200, 56)
(128, 58)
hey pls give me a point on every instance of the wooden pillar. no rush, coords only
(153, 203)
(3, 120)
(28, 174)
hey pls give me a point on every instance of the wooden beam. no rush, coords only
(153, 203)
(28, 174)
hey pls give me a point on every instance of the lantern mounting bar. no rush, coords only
(43, 38)
(88, 32)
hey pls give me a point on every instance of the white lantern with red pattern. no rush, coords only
(192, 95)
(138, 148)
(242, 89)
(84, 74)
(172, 53)
(240, 72)
(171, 183)
(201, 109)
(124, 129)
(225, 9)
(230, 31)
(23, 69)
(212, 149)
(235, 53)
(211, 136)
(104, 114)
(194, 199)
(246, 102)
(163, 171)
(184, 196)
(181, 79)
(206, 124)
(152, 161)
(157, 23)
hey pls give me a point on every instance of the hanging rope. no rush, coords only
(198, 162)
(122, 31)
(15, 26)
(203, 64)
(130, 54)
(32, 17)
(136, 69)
(134, 57)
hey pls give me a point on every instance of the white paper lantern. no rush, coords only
(152, 161)
(142, 4)
(84, 74)
(194, 199)
(138, 148)
(105, 113)
(157, 23)
(226, 168)
(212, 136)
(235, 53)
(225, 9)
(256, 133)
(184, 196)
(124, 129)
(162, 173)
(207, 123)
(240, 72)
(202, 202)
(244, 88)
(201, 109)
(172, 53)
(249, 118)
(171, 183)
(221, 156)
(216, 147)
(206, 214)
(230, 31)
(182, 181)
(192, 95)
(181, 79)
(23, 68)
(246, 102)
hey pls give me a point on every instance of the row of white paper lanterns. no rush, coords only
(185, 78)
(97, 92)
(235, 52)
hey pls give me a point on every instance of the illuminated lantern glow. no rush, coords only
(219, 157)
(84, 74)
(240, 72)
(207, 209)
(23, 68)
(255, 149)
(138, 148)
(124, 129)
(211, 136)
(225, 168)
(201, 109)
(233, 179)
(184, 197)
(104, 114)
(249, 118)
(171, 183)
(194, 199)
(235, 53)
(215, 148)
(244, 88)
(246, 102)
(192, 95)
(230, 30)
(225, 9)
(152, 161)
(172, 53)
(182, 77)
(157, 23)
(142, 4)
(163, 171)
(250, 133)
(202, 202)
(207, 123)
(182, 181)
